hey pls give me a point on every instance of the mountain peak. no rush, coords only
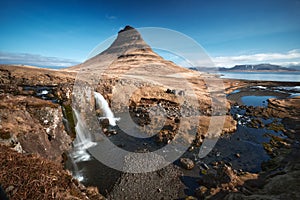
(127, 28)
(128, 39)
(129, 51)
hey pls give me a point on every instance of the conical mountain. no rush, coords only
(128, 39)
(129, 52)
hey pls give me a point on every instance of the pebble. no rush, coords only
(187, 163)
(237, 155)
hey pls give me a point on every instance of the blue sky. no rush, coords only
(64, 32)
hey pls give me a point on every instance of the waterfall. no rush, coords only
(83, 139)
(102, 104)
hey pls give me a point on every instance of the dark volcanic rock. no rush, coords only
(221, 180)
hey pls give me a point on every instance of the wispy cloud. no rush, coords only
(35, 59)
(111, 17)
(289, 58)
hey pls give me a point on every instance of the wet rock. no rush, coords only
(181, 93)
(187, 163)
(204, 166)
(225, 174)
(201, 192)
(104, 123)
(223, 178)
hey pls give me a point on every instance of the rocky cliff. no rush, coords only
(31, 112)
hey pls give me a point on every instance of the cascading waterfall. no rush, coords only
(84, 139)
(102, 104)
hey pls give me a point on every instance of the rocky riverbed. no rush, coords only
(260, 159)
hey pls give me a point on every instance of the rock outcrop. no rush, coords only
(32, 125)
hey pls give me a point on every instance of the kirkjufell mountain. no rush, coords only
(132, 61)
(129, 52)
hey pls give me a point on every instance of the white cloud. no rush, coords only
(289, 58)
(35, 59)
(111, 17)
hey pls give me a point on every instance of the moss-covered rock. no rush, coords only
(68, 114)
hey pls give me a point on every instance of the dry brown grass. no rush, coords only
(32, 177)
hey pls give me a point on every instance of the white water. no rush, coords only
(83, 139)
(102, 104)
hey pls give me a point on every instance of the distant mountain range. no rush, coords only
(253, 68)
